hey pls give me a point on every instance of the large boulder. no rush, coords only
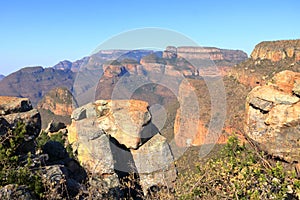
(121, 119)
(155, 163)
(273, 116)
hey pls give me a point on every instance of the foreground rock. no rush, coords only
(273, 116)
(155, 164)
(14, 191)
(15, 111)
(114, 139)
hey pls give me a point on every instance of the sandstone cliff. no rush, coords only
(211, 53)
(277, 50)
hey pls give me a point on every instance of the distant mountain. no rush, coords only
(1, 77)
(35, 82)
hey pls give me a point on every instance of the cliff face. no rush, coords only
(277, 50)
(211, 53)
(267, 59)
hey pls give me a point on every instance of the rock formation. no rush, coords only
(277, 50)
(19, 110)
(113, 137)
(273, 116)
(57, 106)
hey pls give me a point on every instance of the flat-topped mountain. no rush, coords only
(277, 50)
(212, 53)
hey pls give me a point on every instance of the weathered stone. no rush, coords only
(9, 105)
(276, 129)
(271, 94)
(154, 163)
(31, 119)
(86, 111)
(285, 80)
(14, 191)
(93, 153)
(261, 104)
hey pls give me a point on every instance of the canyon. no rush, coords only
(142, 113)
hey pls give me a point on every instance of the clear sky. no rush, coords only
(44, 32)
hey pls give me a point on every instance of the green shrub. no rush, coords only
(11, 170)
(238, 172)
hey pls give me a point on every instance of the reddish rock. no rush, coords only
(277, 50)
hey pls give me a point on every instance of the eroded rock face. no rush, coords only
(277, 50)
(273, 116)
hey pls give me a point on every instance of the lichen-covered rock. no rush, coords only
(273, 117)
(92, 146)
(155, 164)
(14, 191)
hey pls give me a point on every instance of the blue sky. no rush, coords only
(36, 32)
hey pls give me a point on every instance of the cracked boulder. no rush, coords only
(273, 116)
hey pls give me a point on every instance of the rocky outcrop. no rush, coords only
(59, 101)
(1, 77)
(19, 110)
(56, 107)
(114, 137)
(272, 116)
(277, 50)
